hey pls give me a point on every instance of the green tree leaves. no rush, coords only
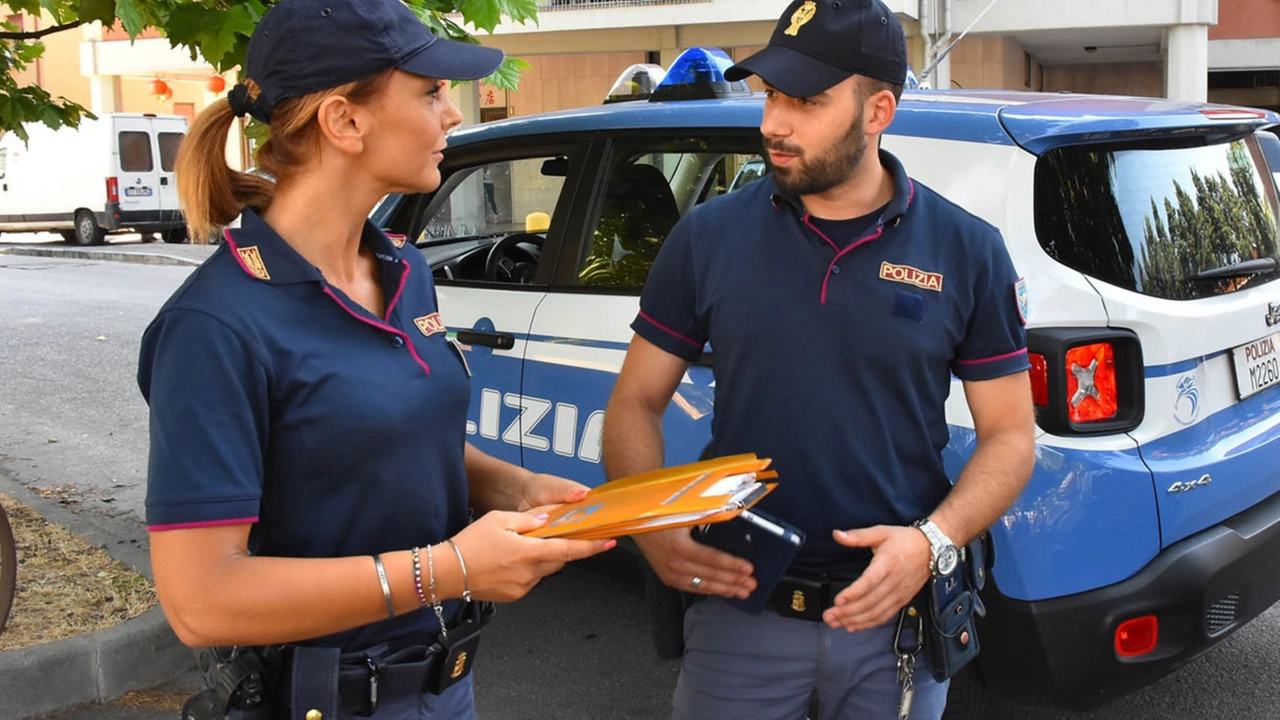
(217, 30)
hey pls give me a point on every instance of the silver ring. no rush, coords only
(696, 582)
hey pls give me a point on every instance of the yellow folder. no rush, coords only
(698, 493)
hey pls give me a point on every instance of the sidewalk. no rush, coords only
(155, 253)
(137, 654)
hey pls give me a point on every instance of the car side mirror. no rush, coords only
(556, 167)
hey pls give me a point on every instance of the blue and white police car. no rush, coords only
(1146, 230)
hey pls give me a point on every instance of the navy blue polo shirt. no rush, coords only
(276, 400)
(834, 356)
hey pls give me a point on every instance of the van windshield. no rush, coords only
(1176, 223)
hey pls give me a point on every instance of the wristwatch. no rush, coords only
(944, 555)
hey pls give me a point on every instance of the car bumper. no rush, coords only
(1201, 589)
(142, 221)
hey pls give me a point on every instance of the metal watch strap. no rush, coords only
(937, 539)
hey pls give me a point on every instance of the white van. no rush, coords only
(113, 173)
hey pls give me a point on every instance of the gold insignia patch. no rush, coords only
(801, 17)
(397, 240)
(459, 666)
(430, 324)
(253, 262)
(797, 601)
(911, 276)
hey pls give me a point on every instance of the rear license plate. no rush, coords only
(1257, 365)
(137, 192)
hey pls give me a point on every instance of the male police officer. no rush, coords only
(840, 298)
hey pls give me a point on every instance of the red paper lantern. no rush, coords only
(168, 93)
(216, 84)
(159, 87)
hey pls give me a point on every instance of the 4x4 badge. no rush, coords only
(1273, 314)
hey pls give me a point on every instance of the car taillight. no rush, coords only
(1039, 379)
(1086, 381)
(1091, 383)
(113, 190)
(1138, 636)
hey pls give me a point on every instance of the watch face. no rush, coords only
(948, 558)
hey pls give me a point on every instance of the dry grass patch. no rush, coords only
(66, 586)
(156, 699)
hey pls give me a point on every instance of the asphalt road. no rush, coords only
(71, 420)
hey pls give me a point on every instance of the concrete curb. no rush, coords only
(137, 654)
(141, 258)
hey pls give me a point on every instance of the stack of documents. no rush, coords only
(699, 493)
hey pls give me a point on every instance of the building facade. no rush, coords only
(1221, 50)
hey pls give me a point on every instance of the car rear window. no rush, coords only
(135, 152)
(1173, 222)
(169, 142)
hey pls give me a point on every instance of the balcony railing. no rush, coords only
(554, 5)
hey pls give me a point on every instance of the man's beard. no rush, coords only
(819, 174)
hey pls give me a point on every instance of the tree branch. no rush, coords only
(37, 34)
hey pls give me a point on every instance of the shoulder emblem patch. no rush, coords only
(801, 17)
(911, 276)
(1024, 303)
(430, 324)
(397, 239)
(252, 260)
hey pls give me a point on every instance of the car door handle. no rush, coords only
(495, 340)
(164, 181)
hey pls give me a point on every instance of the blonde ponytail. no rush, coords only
(210, 192)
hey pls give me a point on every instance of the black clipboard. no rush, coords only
(767, 543)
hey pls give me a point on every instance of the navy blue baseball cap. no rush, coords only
(819, 43)
(305, 46)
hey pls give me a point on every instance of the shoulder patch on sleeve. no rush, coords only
(1020, 295)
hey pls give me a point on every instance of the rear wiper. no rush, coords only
(1241, 269)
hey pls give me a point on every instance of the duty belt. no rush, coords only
(806, 598)
(363, 678)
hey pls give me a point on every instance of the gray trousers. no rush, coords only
(739, 666)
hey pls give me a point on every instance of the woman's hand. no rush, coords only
(503, 565)
(541, 490)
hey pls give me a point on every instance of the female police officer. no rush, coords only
(309, 477)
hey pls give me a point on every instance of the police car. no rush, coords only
(1146, 231)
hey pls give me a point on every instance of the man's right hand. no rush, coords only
(686, 564)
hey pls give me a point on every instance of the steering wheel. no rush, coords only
(501, 266)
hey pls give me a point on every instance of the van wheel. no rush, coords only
(175, 236)
(967, 697)
(88, 232)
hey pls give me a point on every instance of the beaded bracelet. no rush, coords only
(431, 586)
(417, 578)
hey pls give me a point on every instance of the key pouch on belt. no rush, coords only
(459, 649)
(952, 606)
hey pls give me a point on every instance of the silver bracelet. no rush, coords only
(431, 588)
(386, 586)
(466, 585)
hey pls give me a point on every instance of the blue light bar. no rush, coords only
(912, 82)
(698, 74)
